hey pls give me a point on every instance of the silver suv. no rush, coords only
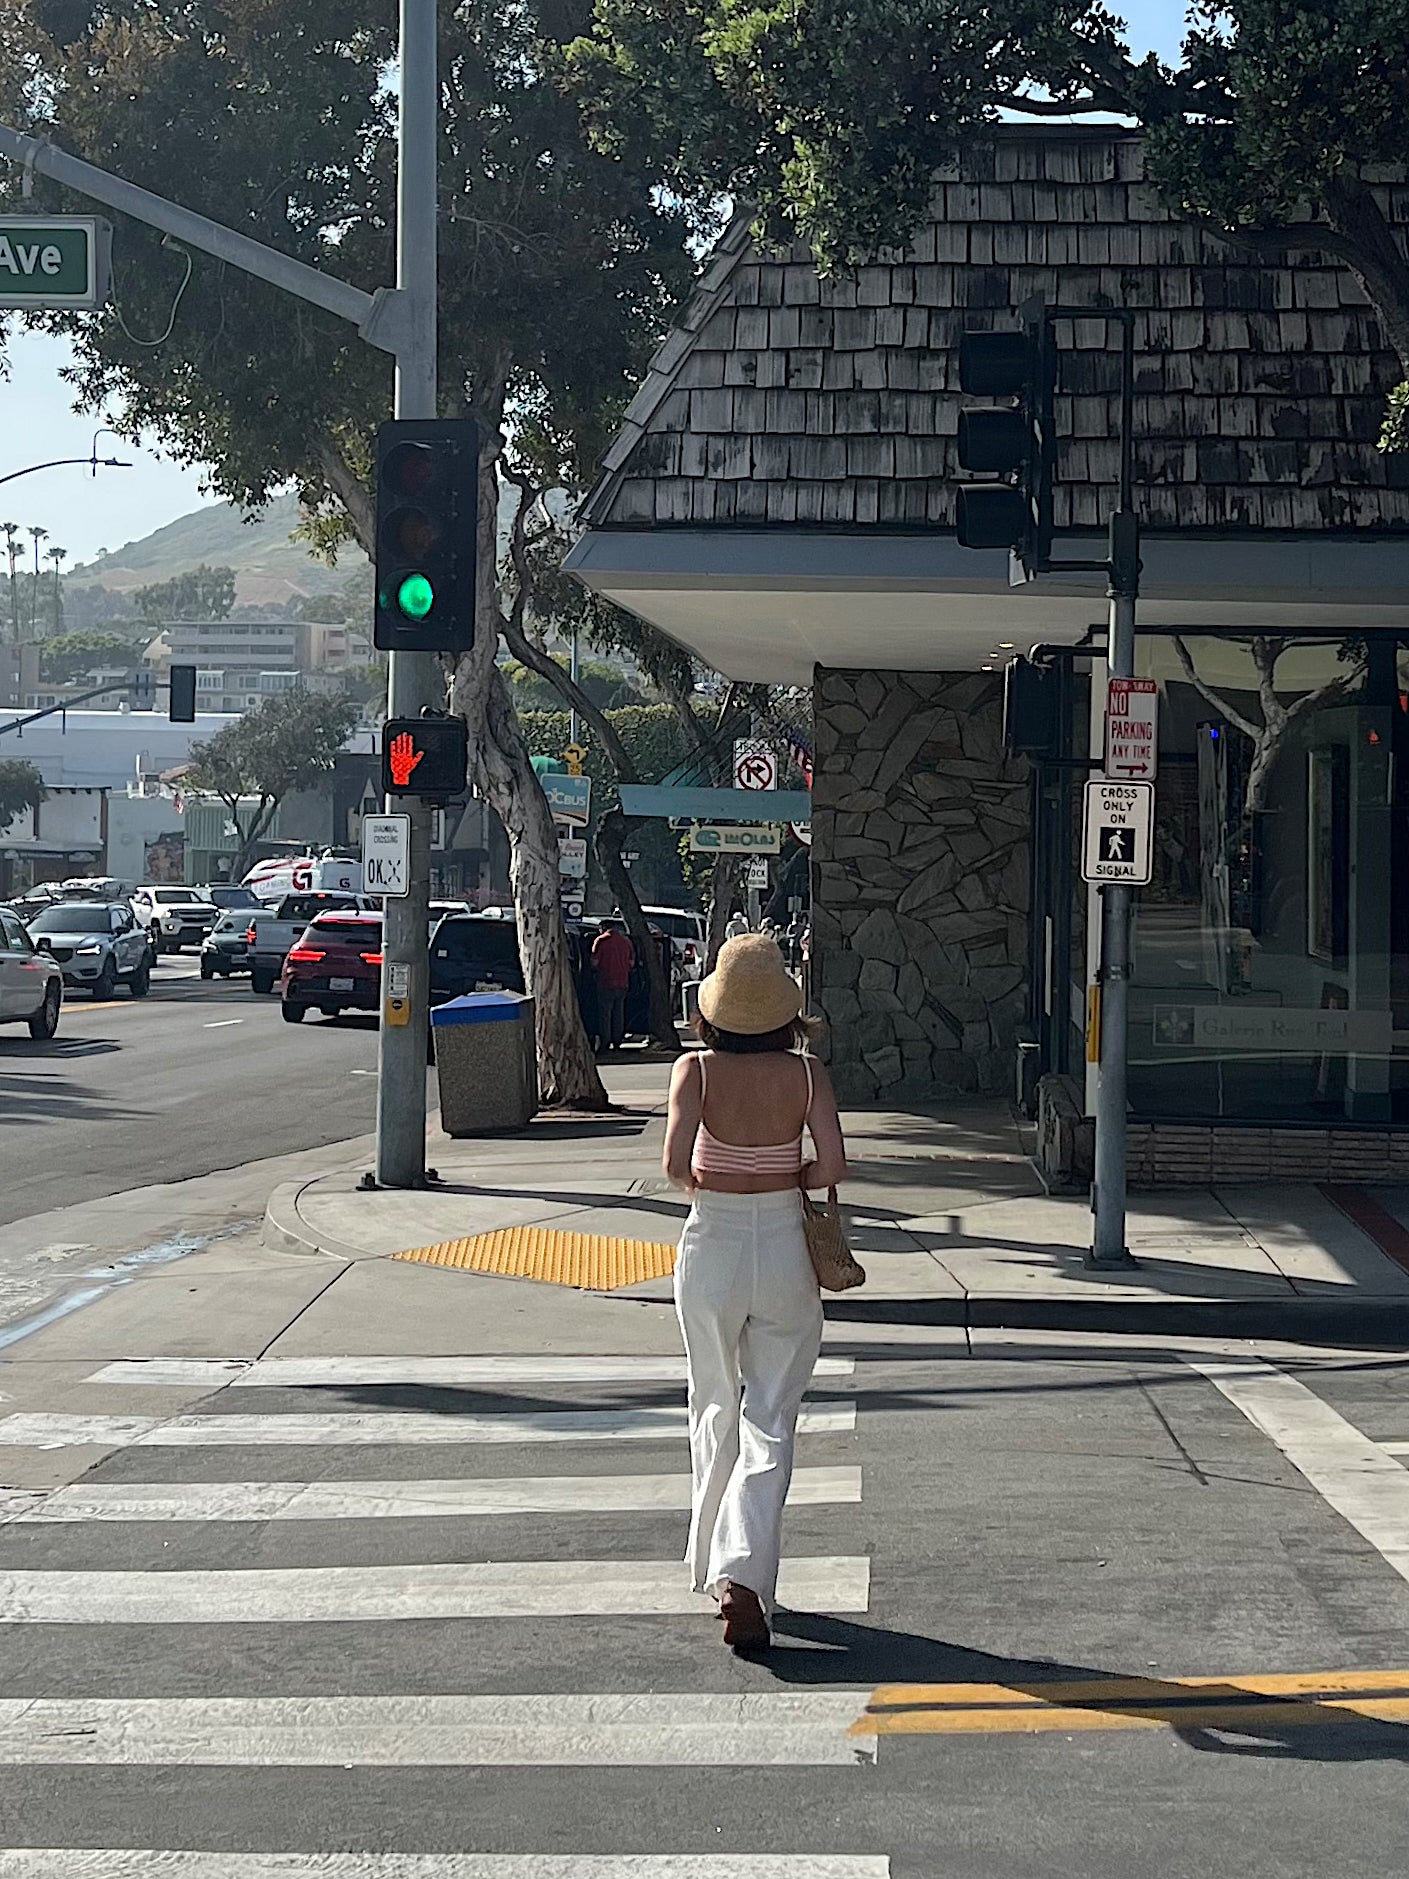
(97, 944)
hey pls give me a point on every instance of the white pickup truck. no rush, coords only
(272, 933)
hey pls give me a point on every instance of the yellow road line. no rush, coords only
(1248, 1704)
(596, 1262)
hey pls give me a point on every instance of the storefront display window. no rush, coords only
(1272, 947)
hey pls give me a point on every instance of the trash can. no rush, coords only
(486, 1062)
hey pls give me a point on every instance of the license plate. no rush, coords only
(340, 985)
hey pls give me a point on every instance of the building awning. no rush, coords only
(766, 606)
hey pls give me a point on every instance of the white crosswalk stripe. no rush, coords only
(299, 1583)
(534, 1588)
(390, 1427)
(398, 1500)
(124, 1863)
(286, 1373)
(792, 1728)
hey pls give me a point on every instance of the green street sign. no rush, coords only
(54, 261)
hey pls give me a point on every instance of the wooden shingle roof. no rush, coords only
(783, 398)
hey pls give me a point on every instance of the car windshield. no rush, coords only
(488, 943)
(231, 923)
(308, 906)
(173, 896)
(361, 934)
(678, 925)
(93, 919)
(230, 897)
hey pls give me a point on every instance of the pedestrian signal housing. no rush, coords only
(424, 757)
(181, 708)
(1012, 440)
(426, 523)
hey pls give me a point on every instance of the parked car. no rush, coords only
(270, 934)
(31, 983)
(174, 916)
(477, 953)
(688, 938)
(98, 945)
(335, 966)
(225, 949)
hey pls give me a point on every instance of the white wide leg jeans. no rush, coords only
(751, 1317)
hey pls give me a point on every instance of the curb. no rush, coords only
(1361, 1323)
(286, 1231)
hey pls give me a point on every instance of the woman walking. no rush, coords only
(745, 1290)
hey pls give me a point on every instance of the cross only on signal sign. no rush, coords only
(1117, 848)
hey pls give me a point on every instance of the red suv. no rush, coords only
(336, 966)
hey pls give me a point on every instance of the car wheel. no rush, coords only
(140, 983)
(106, 982)
(261, 983)
(45, 1021)
(207, 969)
(292, 1014)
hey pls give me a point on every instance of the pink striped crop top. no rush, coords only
(711, 1156)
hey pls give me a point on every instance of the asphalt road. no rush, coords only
(195, 1077)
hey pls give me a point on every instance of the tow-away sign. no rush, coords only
(1119, 820)
(1132, 729)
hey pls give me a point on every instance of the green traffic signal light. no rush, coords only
(415, 596)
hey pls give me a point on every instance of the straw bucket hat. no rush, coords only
(750, 990)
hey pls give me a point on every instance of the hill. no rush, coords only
(268, 565)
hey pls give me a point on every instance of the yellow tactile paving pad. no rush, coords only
(595, 1262)
(1244, 1705)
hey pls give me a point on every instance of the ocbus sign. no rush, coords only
(61, 261)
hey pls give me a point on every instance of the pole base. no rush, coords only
(1123, 1261)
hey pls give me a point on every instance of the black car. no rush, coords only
(477, 953)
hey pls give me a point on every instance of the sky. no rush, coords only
(84, 513)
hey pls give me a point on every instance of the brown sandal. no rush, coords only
(745, 1626)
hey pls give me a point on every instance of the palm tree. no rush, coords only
(11, 530)
(56, 555)
(40, 535)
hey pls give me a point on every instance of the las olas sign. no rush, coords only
(55, 261)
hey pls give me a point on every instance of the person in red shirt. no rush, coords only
(613, 956)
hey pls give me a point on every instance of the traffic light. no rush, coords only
(142, 688)
(182, 706)
(1013, 440)
(427, 519)
(424, 757)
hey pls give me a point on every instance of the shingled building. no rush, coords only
(781, 499)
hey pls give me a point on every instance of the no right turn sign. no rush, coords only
(1117, 846)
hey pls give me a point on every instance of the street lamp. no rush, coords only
(94, 461)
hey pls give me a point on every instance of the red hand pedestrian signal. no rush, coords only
(403, 757)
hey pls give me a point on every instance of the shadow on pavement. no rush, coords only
(1286, 1728)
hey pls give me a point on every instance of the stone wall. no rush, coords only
(919, 884)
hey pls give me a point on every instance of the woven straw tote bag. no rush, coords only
(831, 1257)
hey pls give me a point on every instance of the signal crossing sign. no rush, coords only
(386, 856)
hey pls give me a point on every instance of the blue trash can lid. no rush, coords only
(481, 1008)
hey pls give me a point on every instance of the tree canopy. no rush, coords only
(73, 655)
(21, 788)
(833, 119)
(287, 743)
(201, 593)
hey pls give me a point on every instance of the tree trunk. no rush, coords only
(723, 880)
(567, 1069)
(612, 832)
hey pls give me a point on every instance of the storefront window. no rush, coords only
(1272, 947)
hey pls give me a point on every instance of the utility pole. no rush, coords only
(1108, 1247)
(414, 679)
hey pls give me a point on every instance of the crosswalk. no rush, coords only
(431, 1527)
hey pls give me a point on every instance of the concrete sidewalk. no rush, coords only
(947, 1214)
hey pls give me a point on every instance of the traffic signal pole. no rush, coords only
(414, 681)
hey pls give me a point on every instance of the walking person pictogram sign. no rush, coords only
(1119, 820)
